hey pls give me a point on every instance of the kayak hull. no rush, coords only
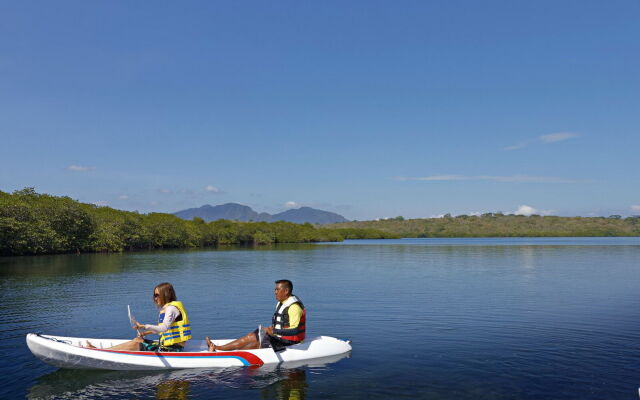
(67, 352)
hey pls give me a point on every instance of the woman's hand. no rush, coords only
(138, 326)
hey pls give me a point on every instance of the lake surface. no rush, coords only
(429, 318)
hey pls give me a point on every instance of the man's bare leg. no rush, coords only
(247, 342)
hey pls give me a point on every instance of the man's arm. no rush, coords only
(295, 313)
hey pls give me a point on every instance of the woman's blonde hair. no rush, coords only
(166, 292)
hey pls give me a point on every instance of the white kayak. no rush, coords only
(68, 352)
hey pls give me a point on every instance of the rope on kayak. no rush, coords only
(54, 339)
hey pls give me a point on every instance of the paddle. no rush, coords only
(132, 320)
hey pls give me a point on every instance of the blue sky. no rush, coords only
(371, 109)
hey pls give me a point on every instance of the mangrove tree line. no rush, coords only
(501, 225)
(33, 223)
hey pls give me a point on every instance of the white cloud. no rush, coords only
(525, 210)
(526, 179)
(436, 178)
(101, 203)
(291, 204)
(635, 207)
(521, 145)
(154, 203)
(510, 179)
(80, 168)
(550, 138)
(558, 137)
(165, 191)
(211, 189)
(123, 197)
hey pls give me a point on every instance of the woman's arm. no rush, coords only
(171, 313)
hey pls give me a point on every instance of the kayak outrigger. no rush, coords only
(68, 352)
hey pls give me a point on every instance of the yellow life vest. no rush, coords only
(179, 331)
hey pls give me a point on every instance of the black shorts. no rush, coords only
(276, 343)
(153, 345)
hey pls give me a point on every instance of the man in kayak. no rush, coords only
(287, 325)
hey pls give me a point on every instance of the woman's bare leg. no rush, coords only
(133, 345)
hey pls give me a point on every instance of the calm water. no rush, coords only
(429, 318)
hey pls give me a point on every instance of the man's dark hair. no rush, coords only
(286, 283)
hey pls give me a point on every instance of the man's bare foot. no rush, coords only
(212, 347)
(90, 346)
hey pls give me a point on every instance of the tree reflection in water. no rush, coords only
(292, 386)
(173, 389)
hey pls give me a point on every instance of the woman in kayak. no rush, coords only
(173, 325)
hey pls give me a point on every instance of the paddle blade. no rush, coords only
(132, 319)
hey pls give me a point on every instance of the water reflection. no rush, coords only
(115, 263)
(292, 386)
(173, 389)
(282, 382)
(61, 265)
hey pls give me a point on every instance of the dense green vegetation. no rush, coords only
(500, 225)
(33, 223)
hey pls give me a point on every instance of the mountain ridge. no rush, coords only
(240, 212)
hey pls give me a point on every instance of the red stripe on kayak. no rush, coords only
(251, 358)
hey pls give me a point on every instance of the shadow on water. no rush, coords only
(282, 382)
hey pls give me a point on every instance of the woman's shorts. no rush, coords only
(154, 345)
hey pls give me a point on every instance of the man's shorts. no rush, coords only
(154, 345)
(276, 343)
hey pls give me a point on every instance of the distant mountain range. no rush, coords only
(238, 212)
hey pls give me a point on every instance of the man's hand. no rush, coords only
(269, 330)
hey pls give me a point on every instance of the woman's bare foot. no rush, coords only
(212, 347)
(90, 346)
